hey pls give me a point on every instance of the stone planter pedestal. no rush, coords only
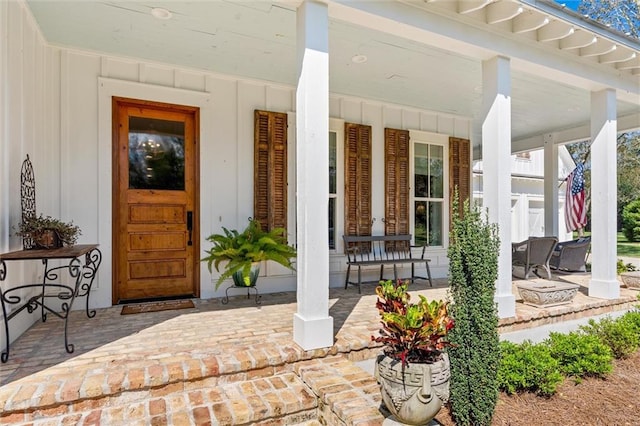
(548, 293)
(631, 279)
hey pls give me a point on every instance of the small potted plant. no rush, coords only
(243, 252)
(46, 232)
(413, 370)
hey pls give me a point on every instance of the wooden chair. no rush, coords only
(533, 253)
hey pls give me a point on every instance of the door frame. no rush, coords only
(116, 218)
(107, 89)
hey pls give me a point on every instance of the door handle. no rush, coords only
(190, 227)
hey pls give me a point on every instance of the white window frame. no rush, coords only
(337, 126)
(415, 137)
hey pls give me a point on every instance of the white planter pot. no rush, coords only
(414, 393)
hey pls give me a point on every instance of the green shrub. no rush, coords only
(475, 350)
(528, 367)
(619, 335)
(624, 267)
(631, 221)
(580, 355)
(632, 319)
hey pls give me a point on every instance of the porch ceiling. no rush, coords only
(257, 39)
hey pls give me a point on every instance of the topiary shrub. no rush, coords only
(580, 355)
(475, 350)
(620, 335)
(631, 221)
(528, 367)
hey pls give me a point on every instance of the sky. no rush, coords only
(571, 4)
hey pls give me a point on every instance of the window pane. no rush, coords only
(156, 154)
(435, 223)
(421, 173)
(332, 222)
(420, 231)
(332, 162)
(436, 166)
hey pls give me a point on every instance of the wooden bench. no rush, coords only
(381, 250)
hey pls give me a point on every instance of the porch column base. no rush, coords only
(604, 289)
(312, 333)
(506, 305)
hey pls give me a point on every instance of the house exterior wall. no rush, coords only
(527, 193)
(56, 108)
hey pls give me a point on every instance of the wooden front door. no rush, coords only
(155, 208)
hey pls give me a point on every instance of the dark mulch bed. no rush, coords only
(614, 401)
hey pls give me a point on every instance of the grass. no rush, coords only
(626, 248)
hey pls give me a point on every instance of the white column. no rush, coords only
(551, 204)
(312, 325)
(523, 218)
(496, 157)
(603, 282)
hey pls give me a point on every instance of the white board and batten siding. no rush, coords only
(61, 98)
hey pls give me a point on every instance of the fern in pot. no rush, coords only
(242, 252)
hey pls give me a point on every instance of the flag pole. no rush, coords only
(584, 161)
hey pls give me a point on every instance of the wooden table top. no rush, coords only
(68, 252)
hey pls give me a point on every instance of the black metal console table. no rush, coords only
(83, 275)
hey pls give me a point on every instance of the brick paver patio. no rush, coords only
(218, 364)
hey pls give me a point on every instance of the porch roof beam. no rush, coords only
(528, 21)
(503, 11)
(472, 38)
(626, 123)
(578, 39)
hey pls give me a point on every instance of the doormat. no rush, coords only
(166, 305)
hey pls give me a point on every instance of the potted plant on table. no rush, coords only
(46, 232)
(413, 370)
(243, 252)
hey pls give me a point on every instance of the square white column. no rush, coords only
(551, 204)
(312, 325)
(496, 158)
(604, 283)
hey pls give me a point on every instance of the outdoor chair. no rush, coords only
(533, 253)
(571, 256)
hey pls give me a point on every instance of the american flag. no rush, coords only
(575, 210)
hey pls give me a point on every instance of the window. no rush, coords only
(336, 184)
(428, 193)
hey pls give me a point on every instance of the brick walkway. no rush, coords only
(216, 364)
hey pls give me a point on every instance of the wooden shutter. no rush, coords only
(459, 171)
(270, 169)
(396, 185)
(357, 176)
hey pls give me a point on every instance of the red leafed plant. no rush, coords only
(411, 332)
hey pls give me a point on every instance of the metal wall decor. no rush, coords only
(27, 197)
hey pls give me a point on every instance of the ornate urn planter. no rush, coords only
(547, 293)
(416, 392)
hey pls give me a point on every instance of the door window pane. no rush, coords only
(156, 154)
